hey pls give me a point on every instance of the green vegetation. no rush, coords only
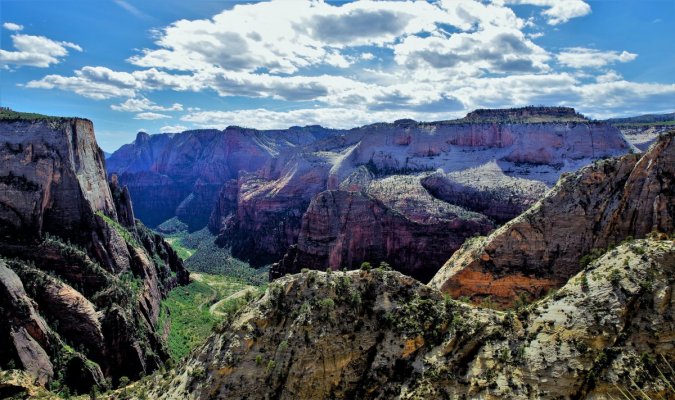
(177, 244)
(122, 231)
(593, 255)
(7, 114)
(193, 310)
(201, 254)
(645, 120)
(643, 124)
(172, 226)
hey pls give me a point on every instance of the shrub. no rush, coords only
(271, 366)
(615, 276)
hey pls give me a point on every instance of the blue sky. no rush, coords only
(174, 65)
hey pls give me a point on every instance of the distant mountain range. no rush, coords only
(644, 119)
(407, 193)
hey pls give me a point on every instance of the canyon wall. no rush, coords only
(586, 212)
(489, 166)
(80, 280)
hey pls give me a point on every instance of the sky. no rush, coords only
(172, 65)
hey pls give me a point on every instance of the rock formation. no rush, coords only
(606, 332)
(586, 212)
(341, 229)
(495, 163)
(80, 280)
(378, 335)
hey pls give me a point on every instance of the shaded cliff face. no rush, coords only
(181, 174)
(81, 281)
(53, 177)
(597, 207)
(342, 229)
(380, 335)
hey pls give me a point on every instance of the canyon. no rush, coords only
(80, 280)
(605, 331)
(280, 197)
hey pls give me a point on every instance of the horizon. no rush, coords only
(171, 67)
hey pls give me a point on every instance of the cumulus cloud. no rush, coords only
(581, 57)
(435, 60)
(35, 51)
(151, 116)
(100, 83)
(490, 50)
(11, 26)
(284, 37)
(143, 104)
(557, 11)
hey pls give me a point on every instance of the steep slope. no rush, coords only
(180, 174)
(341, 229)
(80, 281)
(585, 212)
(383, 335)
(457, 178)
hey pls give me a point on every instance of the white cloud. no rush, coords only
(492, 50)
(11, 26)
(35, 51)
(151, 116)
(436, 60)
(284, 37)
(581, 57)
(332, 117)
(173, 128)
(101, 83)
(143, 104)
(557, 11)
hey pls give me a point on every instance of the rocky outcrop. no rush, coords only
(526, 115)
(122, 199)
(643, 136)
(24, 333)
(373, 335)
(80, 260)
(495, 195)
(52, 177)
(585, 212)
(181, 174)
(342, 229)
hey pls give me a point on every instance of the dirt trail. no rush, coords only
(233, 296)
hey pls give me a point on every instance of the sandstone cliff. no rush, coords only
(585, 212)
(607, 333)
(81, 281)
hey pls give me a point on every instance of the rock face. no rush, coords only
(75, 256)
(593, 209)
(380, 335)
(181, 174)
(261, 185)
(376, 232)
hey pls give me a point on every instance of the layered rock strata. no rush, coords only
(493, 162)
(81, 280)
(586, 212)
(607, 332)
